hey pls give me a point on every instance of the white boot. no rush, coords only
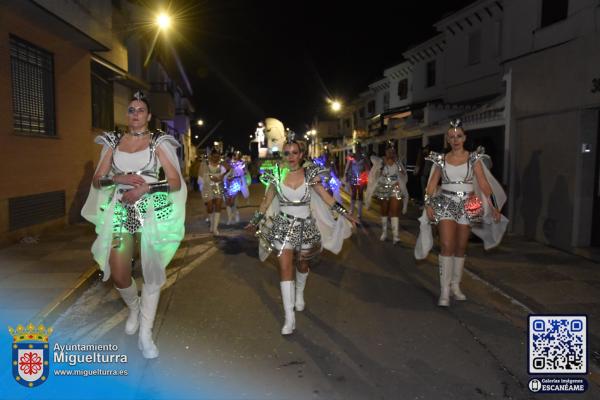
(300, 285)
(149, 304)
(287, 295)
(236, 212)
(384, 225)
(131, 298)
(360, 205)
(211, 218)
(445, 276)
(215, 227)
(457, 271)
(229, 215)
(395, 222)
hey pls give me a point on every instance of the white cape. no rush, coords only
(159, 240)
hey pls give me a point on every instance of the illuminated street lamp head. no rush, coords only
(200, 122)
(163, 21)
(336, 105)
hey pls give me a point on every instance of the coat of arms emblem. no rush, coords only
(30, 354)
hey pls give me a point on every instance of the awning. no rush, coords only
(488, 115)
(120, 74)
(477, 115)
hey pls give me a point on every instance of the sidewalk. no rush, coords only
(38, 281)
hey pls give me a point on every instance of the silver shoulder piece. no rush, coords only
(312, 171)
(436, 158)
(110, 139)
(477, 155)
(159, 137)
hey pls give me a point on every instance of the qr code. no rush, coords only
(557, 344)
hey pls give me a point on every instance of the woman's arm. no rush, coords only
(430, 191)
(103, 169)
(171, 173)
(101, 179)
(330, 201)
(433, 181)
(172, 182)
(262, 209)
(267, 199)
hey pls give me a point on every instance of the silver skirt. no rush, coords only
(285, 231)
(456, 208)
(387, 189)
(214, 190)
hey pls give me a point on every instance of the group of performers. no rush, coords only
(300, 215)
(222, 180)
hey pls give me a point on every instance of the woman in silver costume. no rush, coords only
(356, 175)
(235, 183)
(469, 199)
(387, 182)
(210, 178)
(330, 180)
(295, 218)
(129, 206)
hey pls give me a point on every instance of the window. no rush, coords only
(403, 89)
(32, 75)
(102, 103)
(474, 48)
(430, 73)
(371, 107)
(554, 11)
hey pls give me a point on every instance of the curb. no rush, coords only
(63, 301)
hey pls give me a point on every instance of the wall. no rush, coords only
(38, 165)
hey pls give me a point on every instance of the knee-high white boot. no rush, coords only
(457, 271)
(445, 277)
(301, 278)
(395, 232)
(215, 227)
(229, 215)
(384, 226)
(131, 298)
(148, 306)
(288, 292)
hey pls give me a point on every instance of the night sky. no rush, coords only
(248, 60)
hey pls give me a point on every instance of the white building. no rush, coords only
(551, 52)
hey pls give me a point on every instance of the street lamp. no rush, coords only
(200, 122)
(163, 21)
(336, 105)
